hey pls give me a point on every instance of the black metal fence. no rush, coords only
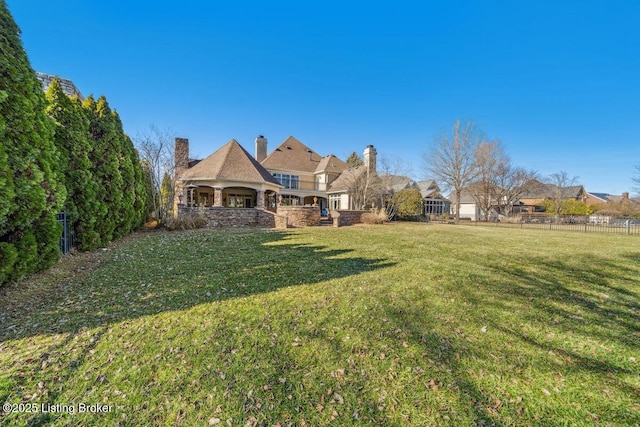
(584, 224)
(68, 237)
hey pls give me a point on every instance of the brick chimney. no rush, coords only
(261, 148)
(370, 159)
(181, 156)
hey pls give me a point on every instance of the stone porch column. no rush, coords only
(260, 199)
(217, 196)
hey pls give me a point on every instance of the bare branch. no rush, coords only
(451, 161)
(155, 148)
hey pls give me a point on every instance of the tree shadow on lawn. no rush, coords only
(403, 340)
(574, 295)
(577, 310)
(176, 271)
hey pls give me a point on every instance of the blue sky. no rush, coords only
(558, 82)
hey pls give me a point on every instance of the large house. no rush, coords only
(290, 175)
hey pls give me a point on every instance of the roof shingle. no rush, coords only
(293, 155)
(230, 161)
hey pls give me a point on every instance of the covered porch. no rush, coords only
(228, 195)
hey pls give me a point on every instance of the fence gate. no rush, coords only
(67, 239)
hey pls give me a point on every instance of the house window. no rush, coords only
(288, 181)
(334, 202)
(435, 207)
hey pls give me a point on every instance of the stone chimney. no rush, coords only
(370, 159)
(181, 156)
(261, 148)
(625, 197)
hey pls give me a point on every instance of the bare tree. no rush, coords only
(513, 183)
(488, 157)
(559, 183)
(361, 186)
(155, 148)
(636, 181)
(451, 158)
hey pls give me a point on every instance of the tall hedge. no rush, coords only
(73, 142)
(31, 188)
(118, 171)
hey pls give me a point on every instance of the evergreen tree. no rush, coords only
(72, 141)
(117, 169)
(143, 201)
(129, 220)
(105, 158)
(354, 160)
(31, 188)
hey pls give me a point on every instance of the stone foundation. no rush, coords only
(287, 216)
(300, 216)
(221, 217)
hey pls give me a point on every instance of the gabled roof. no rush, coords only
(430, 190)
(293, 155)
(67, 85)
(346, 179)
(428, 187)
(467, 193)
(536, 190)
(622, 198)
(232, 162)
(398, 182)
(540, 190)
(602, 196)
(572, 191)
(331, 164)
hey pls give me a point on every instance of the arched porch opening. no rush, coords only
(315, 200)
(202, 195)
(239, 197)
(271, 200)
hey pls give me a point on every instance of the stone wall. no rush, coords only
(222, 217)
(342, 218)
(300, 216)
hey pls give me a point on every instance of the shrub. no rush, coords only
(189, 221)
(376, 216)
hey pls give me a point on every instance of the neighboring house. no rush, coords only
(395, 183)
(67, 85)
(469, 208)
(623, 198)
(611, 206)
(533, 200)
(434, 202)
(597, 198)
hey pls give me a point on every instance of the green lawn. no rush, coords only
(404, 324)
